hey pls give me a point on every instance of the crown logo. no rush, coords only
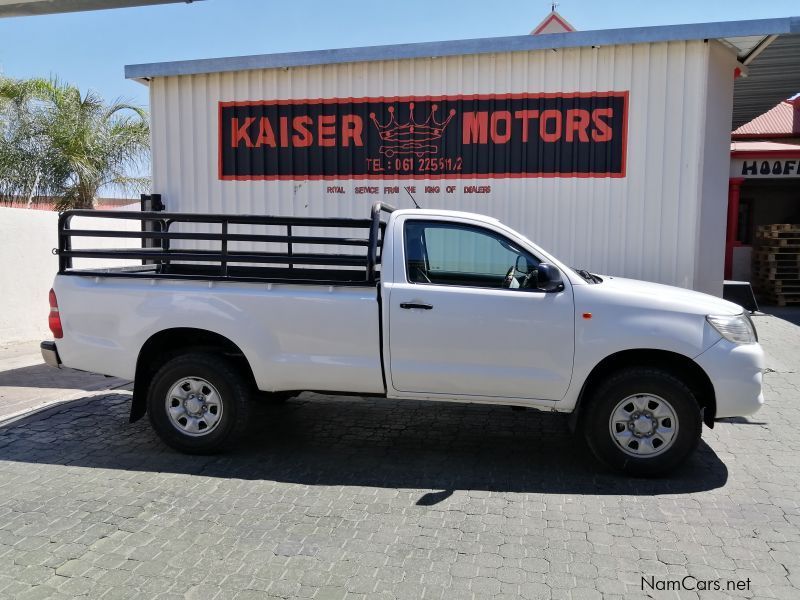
(411, 137)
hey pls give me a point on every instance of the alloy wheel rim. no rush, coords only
(194, 406)
(643, 425)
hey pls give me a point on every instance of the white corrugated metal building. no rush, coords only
(637, 189)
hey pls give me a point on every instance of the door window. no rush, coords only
(464, 255)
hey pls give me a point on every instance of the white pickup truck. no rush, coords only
(429, 304)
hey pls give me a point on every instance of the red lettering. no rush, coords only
(603, 131)
(375, 165)
(497, 116)
(550, 115)
(352, 126)
(284, 129)
(525, 116)
(475, 127)
(265, 134)
(300, 125)
(577, 120)
(240, 133)
(327, 130)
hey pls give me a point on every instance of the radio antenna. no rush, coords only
(412, 198)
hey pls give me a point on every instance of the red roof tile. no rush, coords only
(782, 120)
(553, 23)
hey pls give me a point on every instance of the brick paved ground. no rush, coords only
(26, 383)
(364, 498)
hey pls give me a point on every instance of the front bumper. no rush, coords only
(736, 372)
(50, 354)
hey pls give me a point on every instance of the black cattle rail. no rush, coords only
(160, 259)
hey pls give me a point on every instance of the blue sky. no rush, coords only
(90, 49)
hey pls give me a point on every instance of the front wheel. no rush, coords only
(643, 421)
(198, 403)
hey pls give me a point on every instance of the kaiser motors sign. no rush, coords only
(443, 137)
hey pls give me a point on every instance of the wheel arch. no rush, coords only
(678, 364)
(167, 343)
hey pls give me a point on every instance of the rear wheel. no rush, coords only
(199, 403)
(643, 421)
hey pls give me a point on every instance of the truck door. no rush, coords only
(465, 321)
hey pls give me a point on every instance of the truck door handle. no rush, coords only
(416, 305)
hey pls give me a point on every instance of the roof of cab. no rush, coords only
(434, 212)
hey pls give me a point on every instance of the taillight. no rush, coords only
(54, 320)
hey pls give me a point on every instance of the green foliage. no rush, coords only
(55, 142)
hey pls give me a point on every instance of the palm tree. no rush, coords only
(55, 141)
(21, 145)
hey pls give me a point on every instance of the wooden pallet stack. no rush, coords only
(776, 263)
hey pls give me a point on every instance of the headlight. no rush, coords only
(738, 329)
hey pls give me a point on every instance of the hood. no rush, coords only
(666, 297)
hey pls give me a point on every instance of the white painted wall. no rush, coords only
(28, 266)
(647, 225)
(717, 94)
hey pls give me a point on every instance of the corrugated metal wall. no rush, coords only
(644, 225)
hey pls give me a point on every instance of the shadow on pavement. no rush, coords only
(42, 376)
(741, 421)
(351, 441)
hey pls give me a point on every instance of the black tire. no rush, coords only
(630, 383)
(233, 402)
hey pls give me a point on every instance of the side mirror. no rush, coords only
(548, 278)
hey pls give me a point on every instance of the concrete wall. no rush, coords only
(27, 239)
(28, 267)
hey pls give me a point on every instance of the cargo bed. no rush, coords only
(166, 250)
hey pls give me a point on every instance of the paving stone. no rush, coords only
(330, 593)
(39, 592)
(346, 497)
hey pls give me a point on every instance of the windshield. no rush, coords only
(582, 273)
